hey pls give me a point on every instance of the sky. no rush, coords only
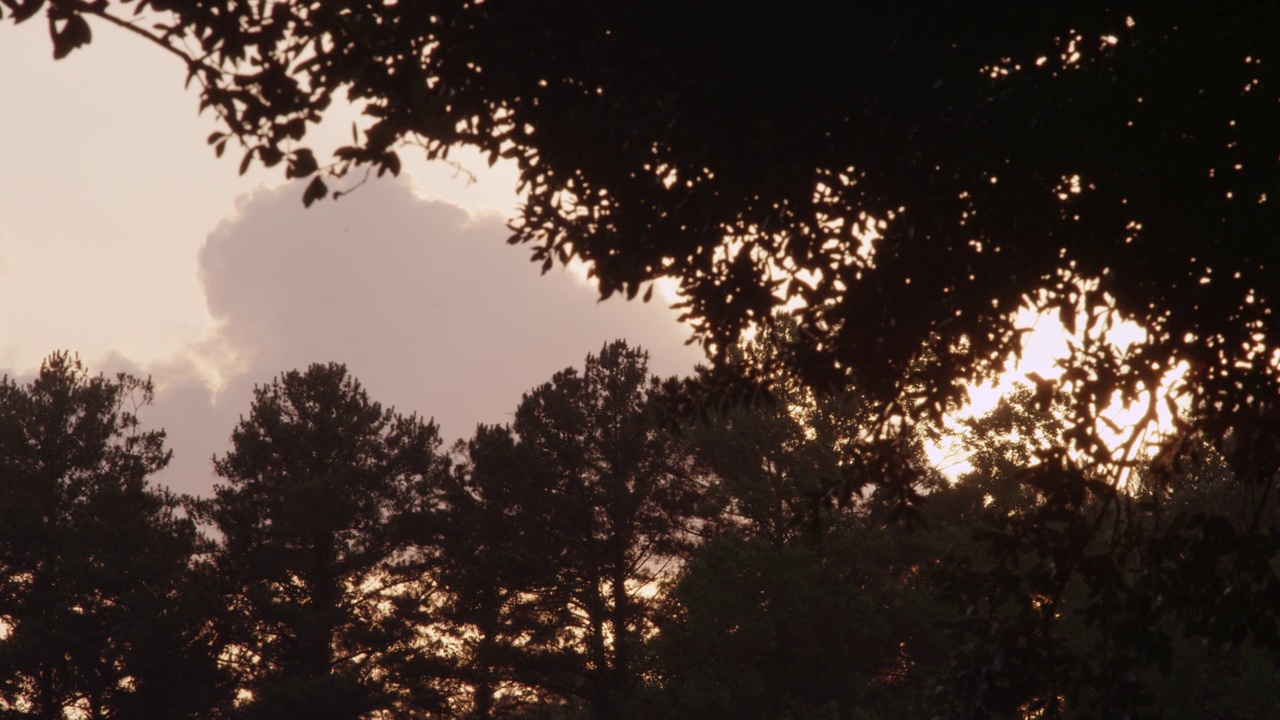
(123, 239)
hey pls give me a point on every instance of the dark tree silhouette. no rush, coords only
(1073, 602)
(803, 602)
(837, 627)
(317, 523)
(559, 529)
(504, 607)
(1084, 158)
(909, 174)
(783, 463)
(624, 499)
(99, 611)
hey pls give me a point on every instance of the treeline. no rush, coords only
(600, 557)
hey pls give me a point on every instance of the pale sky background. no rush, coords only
(123, 238)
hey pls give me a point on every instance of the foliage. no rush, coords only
(783, 460)
(833, 627)
(1076, 602)
(317, 521)
(504, 605)
(593, 561)
(1084, 158)
(905, 176)
(802, 603)
(625, 500)
(92, 557)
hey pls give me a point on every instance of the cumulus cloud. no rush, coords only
(425, 303)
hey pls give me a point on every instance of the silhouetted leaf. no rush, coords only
(316, 190)
(23, 10)
(73, 33)
(390, 163)
(302, 163)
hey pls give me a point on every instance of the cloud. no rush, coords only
(184, 406)
(425, 303)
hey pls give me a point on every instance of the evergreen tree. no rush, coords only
(809, 600)
(318, 519)
(560, 529)
(623, 504)
(505, 606)
(99, 614)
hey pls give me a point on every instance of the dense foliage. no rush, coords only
(316, 521)
(596, 559)
(911, 174)
(100, 601)
(905, 177)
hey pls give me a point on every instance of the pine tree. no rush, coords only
(317, 519)
(97, 610)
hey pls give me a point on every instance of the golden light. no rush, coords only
(1046, 346)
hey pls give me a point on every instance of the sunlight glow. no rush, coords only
(1046, 347)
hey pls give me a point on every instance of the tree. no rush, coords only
(616, 494)
(552, 537)
(99, 608)
(1085, 159)
(909, 175)
(1072, 604)
(504, 604)
(782, 462)
(1001, 445)
(802, 602)
(317, 520)
(840, 625)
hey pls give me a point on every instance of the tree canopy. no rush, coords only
(593, 560)
(910, 174)
(901, 179)
(96, 596)
(566, 606)
(316, 516)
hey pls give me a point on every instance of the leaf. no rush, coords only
(271, 156)
(390, 163)
(316, 190)
(301, 164)
(23, 11)
(73, 34)
(1067, 316)
(295, 128)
